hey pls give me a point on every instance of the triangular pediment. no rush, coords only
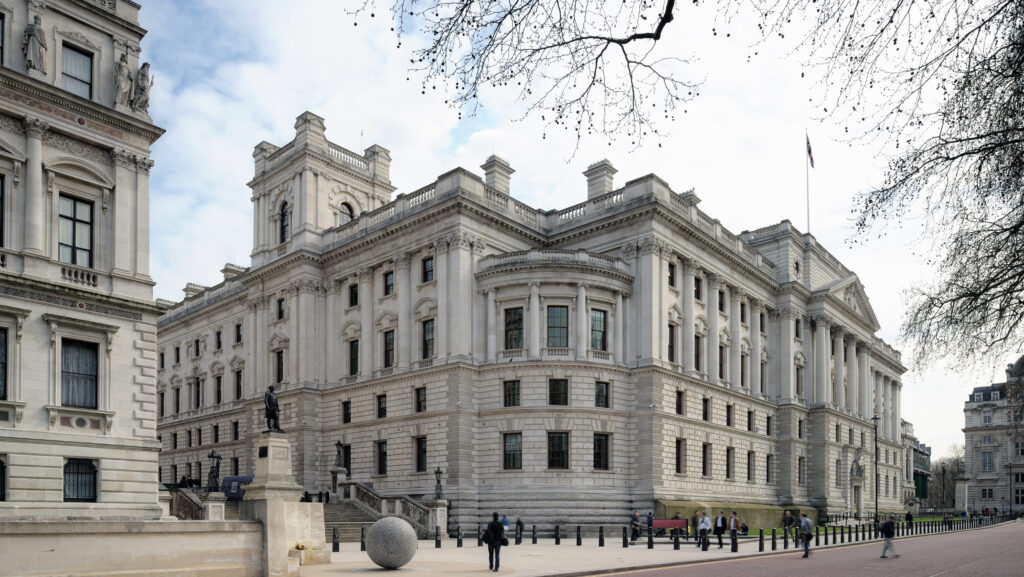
(850, 293)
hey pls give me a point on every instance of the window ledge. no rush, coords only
(76, 418)
(17, 407)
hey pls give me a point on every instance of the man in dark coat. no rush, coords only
(720, 526)
(493, 536)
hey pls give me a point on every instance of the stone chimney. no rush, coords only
(599, 178)
(230, 271)
(309, 132)
(192, 289)
(379, 160)
(497, 173)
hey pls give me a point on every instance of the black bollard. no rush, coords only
(519, 535)
(362, 538)
(600, 536)
(579, 536)
(625, 539)
(735, 542)
(650, 538)
(437, 537)
(334, 541)
(479, 537)
(760, 542)
(816, 541)
(785, 537)
(458, 535)
(833, 534)
(558, 535)
(675, 540)
(842, 534)
(534, 539)
(773, 539)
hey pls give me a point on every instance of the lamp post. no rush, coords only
(874, 423)
(213, 478)
(942, 503)
(437, 486)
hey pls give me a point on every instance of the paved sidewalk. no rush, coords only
(526, 560)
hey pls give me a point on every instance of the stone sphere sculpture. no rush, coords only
(391, 542)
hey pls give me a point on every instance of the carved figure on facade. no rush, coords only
(856, 469)
(34, 45)
(629, 250)
(122, 82)
(143, 82)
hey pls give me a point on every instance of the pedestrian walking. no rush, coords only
(789, 525)
(650, 523)
(888, 531)
(720, 524)
(695, 527)
(504, 523)
(635, 526)
(806, 532)
(494, 536)
(705, 527)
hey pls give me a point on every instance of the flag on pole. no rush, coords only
(810, 156)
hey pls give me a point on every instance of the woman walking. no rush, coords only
(494, 536)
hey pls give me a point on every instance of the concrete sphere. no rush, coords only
(391, 542)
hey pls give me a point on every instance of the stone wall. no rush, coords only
(131, 548)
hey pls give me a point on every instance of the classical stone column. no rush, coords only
(34, 206)
(492, 338)
(582, 333)
(688, 319)
(838, 369)
(897, 428)
(367, 332)
(533, 324)
(736, 340)
(886, 407)
(649, 315)
(713, 284)
(864, 380)
(331, 373)
(460, 278)
(142, 166)
(787, 358)
(754, 310)
(878, 396)
(851, 374)
(441, 328)
(821, 368)
(619, 338)
(405, 354)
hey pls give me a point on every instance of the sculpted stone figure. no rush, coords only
(34, 45)
(143, 82)
(272, 412)
(123, 82)
(1016, 370)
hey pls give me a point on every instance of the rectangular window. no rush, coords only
(849, 437)
(79, 372)
(985, 493)
(769, 468)
(234, 466)
(796, 328)
(987, 462)
(730, 464)
(705, 409)
(705, 459)
(195, 348)
(389, 283)
(427, 345)
(279, 366)
(799, 381)
(218, 392)
(1018, 449)
(238, 333)
(744, 363)
(671, 344)
(513, 328)
(79, 481)
(235, 434)
(76, 71)
(723, 360)
(986, 418)
(188, 433)
(177, 355)
(238, 385)
(513, 451)
(698, 285)
(558, 326)
(978, 397)
(3, 347)
(800, 428)
(995, 395)
(558, 392)
(421, 454)
(382, 406)
(721, 301)
(174, 440)
(838, 473)
(751, 466)
(511, 393)
(421, 399)
(558, 450)
(74, 243)
(601, 448)
(671, 274)
(680, 400)
(353, 357)
(680, 456)
(160, 364)
(760, 320)
(728, 416)
(750, 421)
(216, 434)
(280, 309)
(601, 394)
(382, 457)
(768, 426)
(346, 459)
(218, 340)
(698, 348)
(197, 390)
(177, 401)
(838, 433)
(389, 348)
(800, 473)
(159, 404)
(353, 295)
(743, 312)
(598, 334)
(427, 269)
(346, 412)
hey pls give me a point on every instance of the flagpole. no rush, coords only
(807, 172)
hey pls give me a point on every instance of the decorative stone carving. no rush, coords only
(124, 158)
(143, 82)
(36, 128)
(122, 82)
(33, 45)
(629, 250)
(12, 124)
(75, 147)
(391, 542)
(402, 261)
(143, 164)
(77, 37)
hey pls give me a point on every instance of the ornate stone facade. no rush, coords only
(77, 323)
(994, 444)
(567, 366)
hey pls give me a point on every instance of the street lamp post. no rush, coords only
(874, 423)
(213, 478)
(437, 486)
(942, 504)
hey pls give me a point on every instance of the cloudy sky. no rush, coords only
(232, 73)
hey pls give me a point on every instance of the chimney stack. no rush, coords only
(599, 178)
(497, 173)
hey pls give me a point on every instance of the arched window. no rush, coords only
(345, 215)
(285, 224)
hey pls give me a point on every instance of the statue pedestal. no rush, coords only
(438, 517)
(213, 506)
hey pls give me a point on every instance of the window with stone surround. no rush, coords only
(849, 436)
(800, 428)
(751, 466)
(160, 404)
(389, 283)
(421, 454)
(79, 481)
(768, 426)
(177, 355)
(1018, 449)
(3, 363)
(838, 433)
(986, 417)
(728, 415)
(602, 449)
(705, 469)
(698, 285)
(421, 399)
(279, 366)
(671, 274)
(353, 295)
(238, 333)
(218, 340)
(801, 471)
(744, 363)
(985, 493)
(75, 222)
(427, 342)
(723, 360)
(558, 450)
(721, 301)
(558, 391)
(218, 389)
(216, 434)
(381, 457)
(705, 409)
(730, 462)
(235, 433)
(234, 466)
(796, 328)
(238, 384)
(987, 462)
(174, 440)
(382, 406)
(346, 412)
(743, 313)
(76, 71)
(598, 332)
(514, 328)
(839, 473)
(197, 392)
(427, 270)
(160, 363)
(79, 374)
(698, 348)
(345, 213)
(601, 394)
(281, 312)
(680, 456)
(284, 224)
(769, 468)
(671, 343)
(510, 393)
(353, 357)
(188, 433)
(512, 451)
(177, 400)
(750, 421)
(199, 436)
(680, 402)
(558, 327)
(389, 349)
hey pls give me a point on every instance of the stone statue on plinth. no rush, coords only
(143, 82)
(122, 82)
(34, 45)
(272, 412)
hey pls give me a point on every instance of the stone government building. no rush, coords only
(624, 353)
